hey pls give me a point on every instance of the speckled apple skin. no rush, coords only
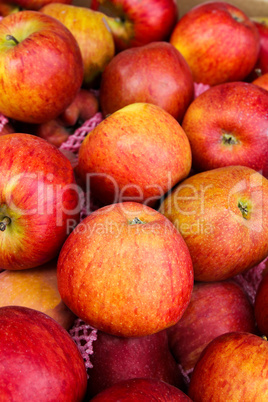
(126, 279)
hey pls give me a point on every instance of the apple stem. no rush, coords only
(136, 220)
(11, 37)
(243, 209)
(229, 139)
(3, 224)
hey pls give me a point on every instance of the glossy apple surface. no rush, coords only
(39, 203)
(136, 154)
(155, 73)
(221, 138)
(222, 216)
(136, 23)
(214, 309)
(93, 36)
(35, 288)
(39, 359)
(116, 359)
(219, 42)
(41, 67)
(131, 271)
(149, 389)
(233, 367)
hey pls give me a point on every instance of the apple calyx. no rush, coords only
(11, 37)
(4, 222)
(244, 209)
(237, 17)
(135, 221)
(229, 139)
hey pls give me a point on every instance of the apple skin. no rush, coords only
(137, 23)
(222, 216)
(154, 73)
(39, 359)
(261, 81)
(39, 196)
(116, 359)
(233, 367)
(42, 74)
(35, 288)
(136, 154)
(148, 388)
(128, 279)
(84, 106)
(261, 24)
(7, 8)
(214, 309)
(218, 41)
(37, 4)
(261, 306)
(93, 36)
(223, 139)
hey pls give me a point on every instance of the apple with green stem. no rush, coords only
(223, 217)
(41, 67)
(235, 136)
(130, 269)
(136, 23)
(218, 41)
(39, 201)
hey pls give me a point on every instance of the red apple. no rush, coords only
(142, 389)
(7, 8)
(93, 36)
(219, 42)
(40, 65)
(39, 202)
(262, 25)
(237, 135)
(233, 367)
(116, 359)
(37, 4)
(261, 305)
(39, 360)
(131, 272)
(136, 23)
(261, 81)
(214, 309)
(154, 73)
(84, 106)
(35, 288)
(223, 218)
(136, 154)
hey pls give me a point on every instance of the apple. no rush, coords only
(261, 305)
(223, 217)
(41, 67)
(214, 309)
(37, 4)
(7, 8)
(136, 154)
(115, 359)
(261, 81)
(154, 73)
(39, 359)
(233, 367)
(145, 389)
(262, 26)
(237, 135)
(39, 201)
(93, 36)
(130, 269)
(84, 106)
(136, 23)
(218, 41)
(35, 288)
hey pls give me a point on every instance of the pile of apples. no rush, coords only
(133, 202)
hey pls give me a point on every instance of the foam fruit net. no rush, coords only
(83, 334)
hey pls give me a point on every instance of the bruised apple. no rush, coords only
(223, 217)
(137, 153)
(130, 269)
(154, 73)
(39, 361)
